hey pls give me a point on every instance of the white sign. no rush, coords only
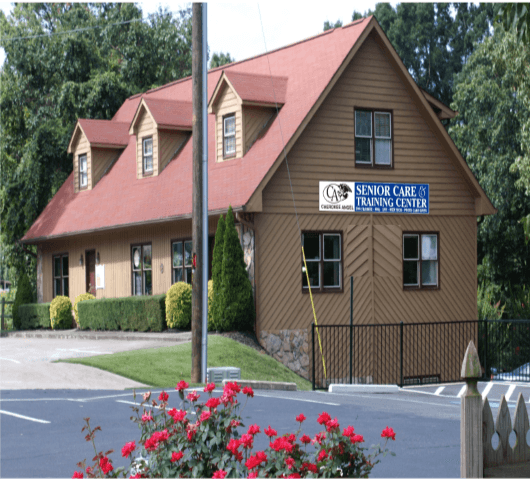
(336, 196)
(100, 277)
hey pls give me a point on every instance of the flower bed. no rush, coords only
(171, 445)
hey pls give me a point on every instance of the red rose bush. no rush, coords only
(209, 440)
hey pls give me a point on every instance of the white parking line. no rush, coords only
(487, 390)
(439, 390)
(298, 399)
(24, 417)
(509, 392)
(462, 391)
(9, 360)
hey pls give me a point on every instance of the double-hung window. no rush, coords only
(83, 171)
(60, 275)
(373, 138)
(229, 135)
(323, 252)
(147, 155)
(181, 261)
(421, 260)
(142, 279)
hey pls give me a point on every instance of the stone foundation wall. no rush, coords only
(289, 347)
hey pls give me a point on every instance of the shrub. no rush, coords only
(140, 313)
(217, 263)
(487, 308)
(24, 295)
(210, 317)
(61, 313)
(9, 296)
(236, 304)
(179, 306)
(34, 315)
(80, 298)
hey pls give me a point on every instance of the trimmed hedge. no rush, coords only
(140, 313)
(23, 296)
(34, 315)
(61, 313)
(81, 298)
(179, 306)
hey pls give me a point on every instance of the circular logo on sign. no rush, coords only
(336, 193)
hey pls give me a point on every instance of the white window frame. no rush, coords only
(420, 283)
(373, 137)
(83, 170)
(227, 135)
(321, 287)
(145, 155)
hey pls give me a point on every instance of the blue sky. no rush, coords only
(236, 27)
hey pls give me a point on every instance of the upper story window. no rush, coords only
(323, 260)
(142, 278)
(83, 175)
(229, 135)
(373, 138)
(147, 155)
(421, 260)
(60, 275)
(181, 261)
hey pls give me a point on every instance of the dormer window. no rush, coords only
(83, 176)
(229, 136)
(147, 155)
(373, 139)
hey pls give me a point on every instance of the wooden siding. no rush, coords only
(170, 143)
(102, 159)
(115, 253)
(82, 146)
(227, 104)
(368, 247)
(325, 150)
(146, 127)
(255, 120)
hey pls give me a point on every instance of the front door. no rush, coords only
(91, 271)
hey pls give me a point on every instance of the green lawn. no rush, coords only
(165, 366)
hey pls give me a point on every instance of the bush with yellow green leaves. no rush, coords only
(61, 313)
(80, 298)
(179, 306)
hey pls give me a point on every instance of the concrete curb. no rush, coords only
(90, 335)
(262, 385)
(356, 388)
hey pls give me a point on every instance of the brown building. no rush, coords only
(376, 186)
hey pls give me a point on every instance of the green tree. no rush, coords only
(24, 295)
(515, 16)
(219, 59)
(329, 25)
(492, 96)
(217, 263)
(64, 62)
(236, 303)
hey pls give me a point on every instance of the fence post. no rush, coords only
(3, 306)
(351, 321)
(471, 417)
(401, 354)
(313, 356)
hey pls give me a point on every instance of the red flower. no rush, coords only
(319, 438)
(349, 431)
(290, 462)
(305, 439)
(233, 445)
(128, 449)
(256, 460)
(193, 396)
(191, 430)
(232, 386)
(212, 402)
(281, 443)
(294, 475)
(270, 432)
(137, 475)
(291, 438)
(77, 475)
(322, 455)
(323, 418)
(105, 465)
(388, 433)
(234, 423)
(210, 387)
(300, 418)
(311, 467)
(205, 416)
(253, 474)
(332, 425)
(146, 417)
(219, 474)
(163, 397)
(247, 441)
(179, 415)
(253, 430)
(89, 470)
(176, 456)
(172, 412)
(182, 385)
(248, 391)
(357, 439)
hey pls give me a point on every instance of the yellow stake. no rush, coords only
(313, 308)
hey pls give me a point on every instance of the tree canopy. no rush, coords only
(64, 62)
(219, 59)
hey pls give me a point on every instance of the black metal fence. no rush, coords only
(417, 353)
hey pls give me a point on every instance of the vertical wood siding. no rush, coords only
(255, 119)
(170, 142)
(227, 104)
(115, 253)
(146, 127)
(325, 150)
(102, 158)
(82, 146)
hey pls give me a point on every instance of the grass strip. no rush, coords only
(164, 366)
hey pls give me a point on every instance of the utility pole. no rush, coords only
(197, 200)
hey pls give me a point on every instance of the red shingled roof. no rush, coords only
(105, 132)
(259, 88)
(120, 199)
(170, 113)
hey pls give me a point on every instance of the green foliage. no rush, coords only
(8, 307)
(34, 315)
(210, 317)
(139, 313)
(80, 298)
(217, 263)
(179, 306)
(219, 59)
(329, 25)
(61, 313)
(24, 295)
(236, 305)
(52, 78)
(488, 307)
(515, 16)
(490, 95)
